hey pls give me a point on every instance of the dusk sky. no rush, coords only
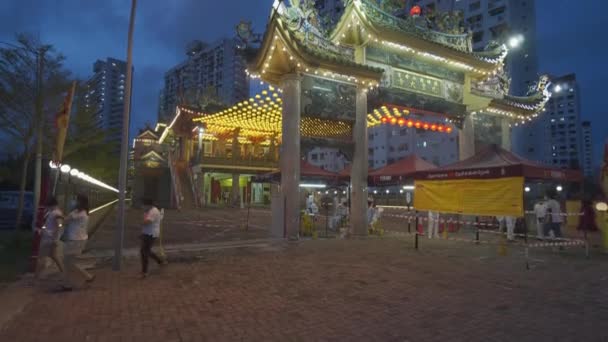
(570, 36)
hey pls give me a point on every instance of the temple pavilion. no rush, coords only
(326, 84)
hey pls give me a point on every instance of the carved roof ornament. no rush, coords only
(391, 6)
(446, 22)
(302, 16)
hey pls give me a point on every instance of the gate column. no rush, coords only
(358, 176)
(466, 139)
(290, 154)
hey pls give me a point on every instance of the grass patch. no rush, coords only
(15, 250)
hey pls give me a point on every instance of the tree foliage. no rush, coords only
(87, 147)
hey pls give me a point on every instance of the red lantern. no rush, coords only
(410, 123)
(418, 124)
(393, 121)
(384, 119)
(401, 122)
(440, 128)
(426, 126)
(415, 11)
(433, 127)
(449, 129)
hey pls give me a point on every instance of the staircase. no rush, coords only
(188, 200)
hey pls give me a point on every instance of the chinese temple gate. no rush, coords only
(328, 85)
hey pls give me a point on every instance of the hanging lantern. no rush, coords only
(418, 124)
(393, 121)
(401, 122)
(410, 123)
(433, 127)
(415, 11)
(449, 129)
(384, 119)
(440, 128)
(426, 126)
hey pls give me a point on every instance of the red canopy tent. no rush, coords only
(496, 162)
(399, 171)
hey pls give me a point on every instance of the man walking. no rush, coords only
(150, 232)
(540, 211)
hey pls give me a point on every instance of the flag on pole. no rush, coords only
(62, 121)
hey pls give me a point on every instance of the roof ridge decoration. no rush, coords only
(443, 28)
(303, 23)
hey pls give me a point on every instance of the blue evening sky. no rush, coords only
(570, 39)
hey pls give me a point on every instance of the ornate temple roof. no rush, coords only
(365, 22)
(292, 44)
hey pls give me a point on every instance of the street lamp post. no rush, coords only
(124, 148)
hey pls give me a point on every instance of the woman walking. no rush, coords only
(75, 239)
(50, 244)
(150, 232)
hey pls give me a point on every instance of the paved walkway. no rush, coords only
(333, 290)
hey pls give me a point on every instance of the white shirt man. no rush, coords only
(433, 224)
(540, 211)
(151, 226)
(509, 222)
(553, 218)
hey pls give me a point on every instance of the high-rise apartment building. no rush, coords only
(330, 9)
(329, 159)
(587, 149)
(218, 68)
(388, 144)
(105, 96)
(563, 145)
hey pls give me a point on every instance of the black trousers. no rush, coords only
(147, 241)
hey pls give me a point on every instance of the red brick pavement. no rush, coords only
(334, 290)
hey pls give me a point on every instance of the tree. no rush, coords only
(18, 94)
(87, 146)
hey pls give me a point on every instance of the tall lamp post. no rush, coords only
(124, 148)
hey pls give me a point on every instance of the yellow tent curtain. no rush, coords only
(484, 197)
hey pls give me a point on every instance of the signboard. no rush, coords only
(484, 197)
(418, 83)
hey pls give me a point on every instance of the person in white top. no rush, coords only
(509, 222)
(150, 232)
(433, 225)
(75, 238)
(553, 218)
(50, 244)
(540, 211)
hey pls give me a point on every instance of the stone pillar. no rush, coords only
(236, 155)
(358, 174)
(290, 154)
(466, 139)
(506, 134)
(272, 150)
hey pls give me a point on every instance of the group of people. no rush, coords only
(64, 238)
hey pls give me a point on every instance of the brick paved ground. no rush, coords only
(190, 226)
(334, 290)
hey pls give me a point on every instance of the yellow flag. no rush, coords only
(62, 121)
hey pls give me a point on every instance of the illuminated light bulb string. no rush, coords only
(400, 117)
(302, 68)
